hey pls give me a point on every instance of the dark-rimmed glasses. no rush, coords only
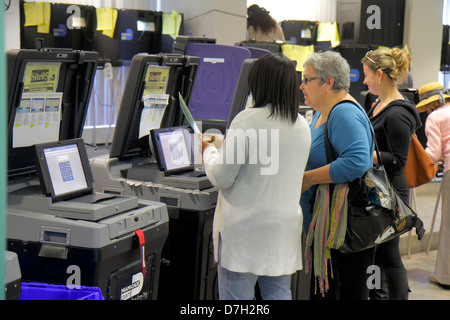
(306, 80)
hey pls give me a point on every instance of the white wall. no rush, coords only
(226, 21)
(423, 35)
(314, 10)
(446, 12)
(12, 26)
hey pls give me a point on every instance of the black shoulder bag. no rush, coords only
(376, 213)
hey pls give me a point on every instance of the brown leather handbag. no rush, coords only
(419, 168)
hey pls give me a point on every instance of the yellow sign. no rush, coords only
(44, 27)
(106, 20)
(34, 13)
(328, 31)
(41, 77)
(156, 79)
(38, 14)
(297, 53)
(171, 23)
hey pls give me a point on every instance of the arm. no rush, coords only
(280, 33)
(434, 138)
(251, 33)
(222, 165)
(352, 141)
(348, 136)
(316, 176)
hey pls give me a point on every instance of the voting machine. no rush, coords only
(62, 230)
(136, 166)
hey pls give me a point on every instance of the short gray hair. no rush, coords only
(330, 64)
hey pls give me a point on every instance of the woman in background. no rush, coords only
(394, 120)
(435, 100)
(261, 26)
(258, 220)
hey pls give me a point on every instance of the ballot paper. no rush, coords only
(37, 119)
(151, 116)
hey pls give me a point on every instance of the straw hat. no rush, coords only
(432, 95)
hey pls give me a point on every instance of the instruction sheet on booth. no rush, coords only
(38, 116)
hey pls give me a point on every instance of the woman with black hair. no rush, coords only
(261, 26)
(258, 171)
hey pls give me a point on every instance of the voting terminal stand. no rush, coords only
(188, 270)
(62, 231)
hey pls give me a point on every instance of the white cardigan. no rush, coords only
(258, 215)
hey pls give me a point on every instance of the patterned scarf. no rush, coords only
(327, 231)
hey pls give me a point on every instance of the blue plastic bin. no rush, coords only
(44, 291)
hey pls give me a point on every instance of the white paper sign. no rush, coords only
(37, 119)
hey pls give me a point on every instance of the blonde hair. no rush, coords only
(394, 62)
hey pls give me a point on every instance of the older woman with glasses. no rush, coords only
(394, 120)
(326, 81)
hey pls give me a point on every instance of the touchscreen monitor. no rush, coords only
(173, 149)
(63, 169)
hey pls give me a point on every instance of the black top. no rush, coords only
(393, 127)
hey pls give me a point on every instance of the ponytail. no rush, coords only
(394, 62)
(402, 59)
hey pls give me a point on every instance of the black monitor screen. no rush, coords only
(173, 149)
(64, 169)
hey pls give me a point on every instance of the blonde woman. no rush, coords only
(394, 120)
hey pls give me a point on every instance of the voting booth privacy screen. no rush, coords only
(48, 96)
(161, 171)
(150, 100)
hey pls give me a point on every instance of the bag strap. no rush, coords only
(389, 146)
(329, 148)
(418, 224)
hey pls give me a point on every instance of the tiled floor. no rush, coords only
(420, 263)
(420, 268)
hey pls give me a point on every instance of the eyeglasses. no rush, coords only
(306, 80)
(369, 58)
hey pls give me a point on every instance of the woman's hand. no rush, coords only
(210, 139)
(375, 158)
(205, 144)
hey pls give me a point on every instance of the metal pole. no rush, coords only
(434, 218)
